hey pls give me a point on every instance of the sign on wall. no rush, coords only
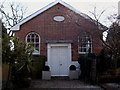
(59, 18)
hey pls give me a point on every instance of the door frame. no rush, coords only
(49, 45)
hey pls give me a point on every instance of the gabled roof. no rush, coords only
(17, 26)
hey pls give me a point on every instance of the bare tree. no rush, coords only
(97, 18)
(112, 42)
(14, 15)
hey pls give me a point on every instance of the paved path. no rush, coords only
(62, 84)
(111, 86)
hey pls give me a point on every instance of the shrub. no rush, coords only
(104, 62)
(38, 63)
(86, 62)
(72, 67)
(85, 66)
(18, 58)
(118, 63)
(46, 68)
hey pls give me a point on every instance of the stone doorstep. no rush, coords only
(47, 75)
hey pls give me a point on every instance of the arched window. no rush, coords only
(34, 38)
(85, 44)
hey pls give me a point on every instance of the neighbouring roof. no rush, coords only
(17, 26)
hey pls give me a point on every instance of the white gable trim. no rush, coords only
(17, 26)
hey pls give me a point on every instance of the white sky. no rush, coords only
(84, 6)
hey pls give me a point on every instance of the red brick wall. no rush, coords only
(69, 29)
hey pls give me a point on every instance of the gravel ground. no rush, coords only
(62, 84)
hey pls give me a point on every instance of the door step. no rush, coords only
(60, 78)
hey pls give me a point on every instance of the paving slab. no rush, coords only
(62, 84)
(110, 86)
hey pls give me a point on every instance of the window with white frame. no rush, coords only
(34, 38)
(85, 44)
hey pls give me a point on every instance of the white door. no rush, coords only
(59, 61)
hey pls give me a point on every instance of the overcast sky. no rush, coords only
(84, 6)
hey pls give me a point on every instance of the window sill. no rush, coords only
(35, 53)
(83, 52)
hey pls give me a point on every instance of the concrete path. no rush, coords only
(62, 84)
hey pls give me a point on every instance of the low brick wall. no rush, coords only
(109, 79)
